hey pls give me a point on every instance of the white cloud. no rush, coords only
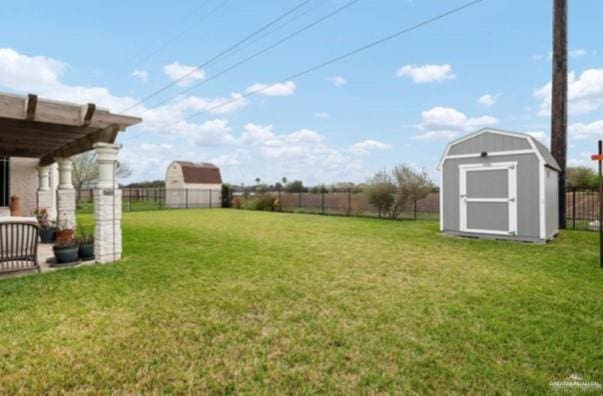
(337, 81)
(586, 131)
(302, 154)
(487, 100)
(41, 75)
(177, 70)
(585, 93)
(140, 74)
(447, 123)
(576, 53)
(540, 135)
(276, 89)
(322, 115)
(365, 146)
(426, 73)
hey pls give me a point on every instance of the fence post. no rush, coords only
(186, 197)
(210, 198)
(129, 200)
(349, 201)
(279, 200)
(415, 209)
(322, 200)
(299, 199)
(574, 208)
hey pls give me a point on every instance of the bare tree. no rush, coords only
(411, 185)
(380, 192)
(85, 172)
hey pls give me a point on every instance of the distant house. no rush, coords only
(193, 185)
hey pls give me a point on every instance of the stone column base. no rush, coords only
(107, 232)
(66, 208)
(45, 202)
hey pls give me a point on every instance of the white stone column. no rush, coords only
(45, 200)
(107, 205)
(65, 195)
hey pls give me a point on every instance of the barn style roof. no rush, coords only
(47, 129)
(200, 173)
(537, 147)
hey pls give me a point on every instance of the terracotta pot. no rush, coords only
(15, 206)
(63, 236)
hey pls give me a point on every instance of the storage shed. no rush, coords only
(499, 184)
(193, 185)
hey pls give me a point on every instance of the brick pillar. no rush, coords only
(107, 206)
(65, 196)
(45, 200)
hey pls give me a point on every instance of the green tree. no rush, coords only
(295, 186)
(581, 177)
(411, 185)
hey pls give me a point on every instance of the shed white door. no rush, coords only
(488, 198)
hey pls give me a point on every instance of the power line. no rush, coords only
(226, 51)
(212, 11)
(336, 59)
(258, 53)
(328, 62)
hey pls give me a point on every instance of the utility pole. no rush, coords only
(559, 99)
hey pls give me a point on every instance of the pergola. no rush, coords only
(53, 131)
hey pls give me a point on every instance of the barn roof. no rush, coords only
(200, 173)
(539, 149)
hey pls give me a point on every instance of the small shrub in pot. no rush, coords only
(85, 240)
(47, 227)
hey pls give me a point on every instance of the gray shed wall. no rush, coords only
(527, 185)
(552, 202)
(489, 142)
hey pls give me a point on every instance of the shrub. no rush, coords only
(380, 191)
(266, 202)
(237, 203)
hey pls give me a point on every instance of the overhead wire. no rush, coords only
(256, 54)
(219, 55)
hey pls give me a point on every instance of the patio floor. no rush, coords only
(46, 257)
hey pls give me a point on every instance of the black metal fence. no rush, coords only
(346, 202)
(138, 199)
(582, 209)
(582, 205)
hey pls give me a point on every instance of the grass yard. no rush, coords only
(227, 301)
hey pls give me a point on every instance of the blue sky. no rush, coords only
(488, 65)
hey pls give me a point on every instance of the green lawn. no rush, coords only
(227, 301)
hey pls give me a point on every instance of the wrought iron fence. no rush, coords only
(137, 199)
(582, 205)
(582, 209)
(346, 202)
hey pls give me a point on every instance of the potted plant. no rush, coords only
(65, 251)
(85, 241)
(47, 227)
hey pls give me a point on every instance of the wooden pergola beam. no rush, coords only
(48, 129)
(90, 109)
(81, 145)
(32, 103)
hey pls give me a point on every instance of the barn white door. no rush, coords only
(488, 198)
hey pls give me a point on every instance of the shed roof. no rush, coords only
(47, 129)
(200, 173)
(539, 149)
